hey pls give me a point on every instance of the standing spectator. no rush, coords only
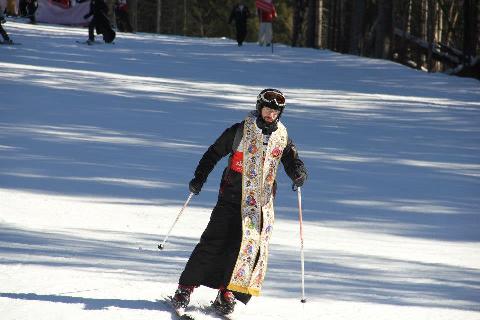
(22, 8)
(121, 15)
(266, 13)
(6, 38)
(31, 6)
(240, 14)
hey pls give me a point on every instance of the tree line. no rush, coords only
(434, 35)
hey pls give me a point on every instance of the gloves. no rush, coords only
(195, 185)
(300, 178)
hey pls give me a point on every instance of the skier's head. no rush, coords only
(270, 105)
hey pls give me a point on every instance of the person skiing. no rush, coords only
(232, 253)
(31, 8)
(99, 22)
(240, 14)
(6, 38)
(266, 16)
(121, 16)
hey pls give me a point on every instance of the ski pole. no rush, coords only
(302, 258)
(162, 245)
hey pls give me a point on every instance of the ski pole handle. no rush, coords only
(162, 245)
(302, 257)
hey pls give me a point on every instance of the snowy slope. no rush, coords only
(98, 143)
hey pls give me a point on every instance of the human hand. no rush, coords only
(195, 185)
(300, 178)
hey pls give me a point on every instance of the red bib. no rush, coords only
(237, 162)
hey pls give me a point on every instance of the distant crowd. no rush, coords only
(99, 23)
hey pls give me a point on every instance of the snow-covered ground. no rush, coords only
(98, 143)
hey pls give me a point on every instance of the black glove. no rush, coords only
(300, 178)
(195, 185)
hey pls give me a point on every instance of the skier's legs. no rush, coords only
(4, 34)
(261, 33)
(241, 33)
(91, 30)
(214, 256)
(268, 33)
(125, 22)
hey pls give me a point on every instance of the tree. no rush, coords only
(384, 30)
(356, 25)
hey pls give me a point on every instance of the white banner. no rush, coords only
(62, 12)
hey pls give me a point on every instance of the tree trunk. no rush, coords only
(384, 30)
(419, 30)
(431, 18)
(159, 15)
(298, 17)
(133, 8)
(319, 26)
(356, 24)
(311, 22)
(406, 21)
(470, 36)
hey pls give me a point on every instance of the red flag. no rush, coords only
(265, 6)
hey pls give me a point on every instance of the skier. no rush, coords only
(121, 15)
(233, 250)
(6, 38)
(240, 14)
(31, 8)
(99, 22)
(266, 17)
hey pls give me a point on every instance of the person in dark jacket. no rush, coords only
(31, 8)
(240, 14)
(6, 38)
(232, 253)
(99, 22)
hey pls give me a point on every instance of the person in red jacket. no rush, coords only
(265, 32)
(121, 15)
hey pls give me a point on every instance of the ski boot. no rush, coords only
(225, 302)
(181, 299)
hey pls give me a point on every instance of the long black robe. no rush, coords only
(212, 261)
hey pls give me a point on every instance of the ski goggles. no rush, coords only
(272, 99)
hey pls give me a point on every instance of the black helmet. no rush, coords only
(272, 98)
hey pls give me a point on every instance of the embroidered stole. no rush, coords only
(260, 165)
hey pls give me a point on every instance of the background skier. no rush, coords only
(99, 22)
(121, 15)
(266, 13)
(6, 38)
(233, 250)
(31, 8)
(240, 14)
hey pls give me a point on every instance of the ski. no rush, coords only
(9, 43)
(91, 43)
(211, 311)
(180, 313)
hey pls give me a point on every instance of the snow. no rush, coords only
(98, 143)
